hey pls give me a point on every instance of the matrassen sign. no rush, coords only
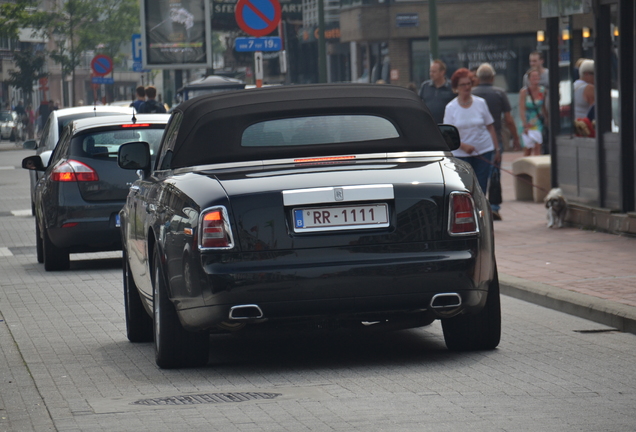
(223, 13)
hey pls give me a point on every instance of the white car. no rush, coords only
(8, 125)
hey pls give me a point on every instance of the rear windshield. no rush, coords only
(105, 144)
(331, 129)
(64, 120)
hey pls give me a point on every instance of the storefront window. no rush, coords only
(507, 54)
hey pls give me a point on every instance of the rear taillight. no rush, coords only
(463, 218)
(214, 230)
(74, 171)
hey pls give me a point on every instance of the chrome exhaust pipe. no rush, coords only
(446, 301)
(245, 312)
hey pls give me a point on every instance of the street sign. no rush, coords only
(244, 44)
(257, 17)
(139, 67)
(102, 80)
(137, 48)
(101, 65)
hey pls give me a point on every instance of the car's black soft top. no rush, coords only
(212, 125)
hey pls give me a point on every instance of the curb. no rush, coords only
(613, 314)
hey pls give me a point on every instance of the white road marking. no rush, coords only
(7, 167)
(5, 252)
(21, 212)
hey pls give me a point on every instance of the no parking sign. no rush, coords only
(101, 65)
(257, 17)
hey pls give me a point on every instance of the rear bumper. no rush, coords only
(338, 283)
(87, 229)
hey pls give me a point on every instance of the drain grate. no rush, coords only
(206, 398)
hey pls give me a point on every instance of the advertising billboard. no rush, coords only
(175, 34)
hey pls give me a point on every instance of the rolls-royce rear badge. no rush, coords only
(338, 194)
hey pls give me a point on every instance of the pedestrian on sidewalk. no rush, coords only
(151, 106)
(140, 91)
(533, 113)
(499, 107)
(470, 115)
(437, 92)
(30, 127)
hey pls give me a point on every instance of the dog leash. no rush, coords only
(511, 173)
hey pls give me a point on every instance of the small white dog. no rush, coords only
(557, 208)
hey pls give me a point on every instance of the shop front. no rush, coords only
(594, 165)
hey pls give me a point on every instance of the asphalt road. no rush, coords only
(66, 365)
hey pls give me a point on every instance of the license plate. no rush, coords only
(341, 218)
(117, 222)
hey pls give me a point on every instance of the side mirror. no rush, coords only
(451, 136)
(134, 156)
(30, 145)
(33, 163)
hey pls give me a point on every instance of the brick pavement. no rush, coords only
(590, 274)
(65, 363)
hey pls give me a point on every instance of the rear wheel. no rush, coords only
(174, 346)
(138, 322)
(481, 331)
(39, 245)
(55, 258)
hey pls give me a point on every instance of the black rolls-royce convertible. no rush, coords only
(338, 204)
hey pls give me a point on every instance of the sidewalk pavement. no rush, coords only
(584, 273)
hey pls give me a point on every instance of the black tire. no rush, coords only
(138, 322)
(39, 244)
(481, 331)
(55, 258)
(174, 346)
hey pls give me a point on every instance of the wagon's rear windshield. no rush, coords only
(331, 129)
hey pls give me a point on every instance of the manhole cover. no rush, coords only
(206, 398)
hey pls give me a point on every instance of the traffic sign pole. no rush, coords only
(258, 68)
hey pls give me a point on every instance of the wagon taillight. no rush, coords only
(214, 229)
(462, 218)
(73, 171)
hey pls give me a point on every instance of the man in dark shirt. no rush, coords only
(151, 106)
(437, 92)
(498, 105)
(141, 98)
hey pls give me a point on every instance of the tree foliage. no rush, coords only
(20, 14)
(91, 25)
(30, 66)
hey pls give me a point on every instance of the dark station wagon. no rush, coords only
(305, 204)
(81, 190)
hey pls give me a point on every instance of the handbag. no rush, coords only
(494, 187)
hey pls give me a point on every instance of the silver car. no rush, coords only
(8, 125)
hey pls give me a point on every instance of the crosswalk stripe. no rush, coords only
(21, 212)
(7, 167)
(5, 252)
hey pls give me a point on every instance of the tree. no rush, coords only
(118, 21)
(91, 25)
(30, 66)
(15, 16)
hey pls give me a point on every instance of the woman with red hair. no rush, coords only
(471, 116)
